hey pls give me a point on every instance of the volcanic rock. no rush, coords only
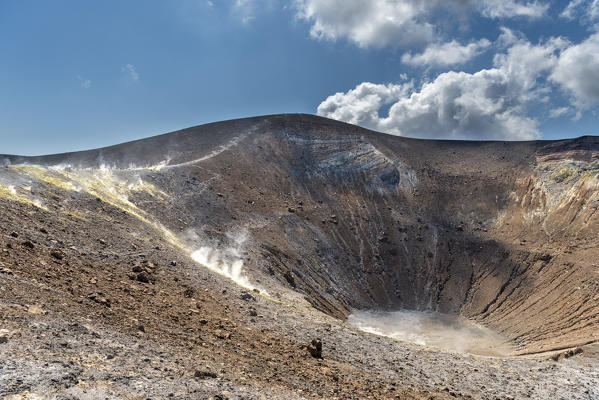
(315, 348)
(204, 374)
(247, 297)
(59, 255)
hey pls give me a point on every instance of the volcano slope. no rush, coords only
(203, 262)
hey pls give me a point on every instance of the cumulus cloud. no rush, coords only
(577, 72)
(361, 105)
(399, 23)
(488, 104)
(376, 23)
(446, 54)
(131, 72)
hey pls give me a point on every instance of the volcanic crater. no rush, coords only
(219, 252)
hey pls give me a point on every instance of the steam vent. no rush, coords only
(292, 257)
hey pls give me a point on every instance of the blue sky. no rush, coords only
(83, 74)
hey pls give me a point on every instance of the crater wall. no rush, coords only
(504, 233)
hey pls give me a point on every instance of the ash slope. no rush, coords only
(505, 233)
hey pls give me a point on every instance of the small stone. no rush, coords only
(247, 297)
(33, 309)
(289, 278)
(29, 244)
(222, 335)
(98, 298)
(573, 352)
(173, 263)
(141, 328)
(59, 255)
(189, 293)
(204, 374)
(315, 348)
(3, 339)
(143, 278)
(102, 242)
(253, 313)
(14, 234)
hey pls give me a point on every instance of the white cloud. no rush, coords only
(450, 53)
(131, 72)
(376, 23)
(571, 9)
(508, 38)
(249, 10)
(559, 112)
(577, 72)
(489, 104)
(85, 83)
(587, 10)
(245, 10)
(399, 23)
(511, 8)
(361, 105)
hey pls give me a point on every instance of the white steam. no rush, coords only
(212, 259)
(223, 258)
(443, 331)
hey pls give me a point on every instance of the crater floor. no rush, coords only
(446, 332)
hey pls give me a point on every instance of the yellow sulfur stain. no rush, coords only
(75, 214)
(106, 185)
(11, 194)
(44, 176)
